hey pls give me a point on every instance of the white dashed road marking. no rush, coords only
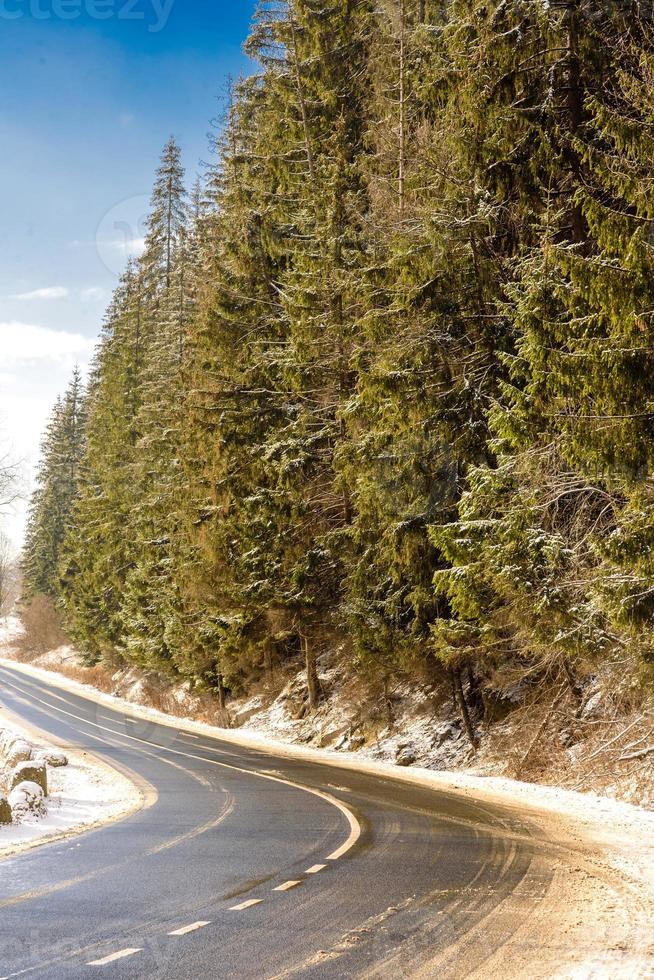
(121, 954)
(245, 905)
(315, 868)
(286, 886)
(185, 929)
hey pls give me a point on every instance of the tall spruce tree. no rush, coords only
(56, 491)
(97, 551)
(149, 597)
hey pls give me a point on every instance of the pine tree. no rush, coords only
(571, 437)
(166, 222)
(445, 226)
(56, 492)
(234, 402)
(321, 309)
(97, 552)
(149, 597)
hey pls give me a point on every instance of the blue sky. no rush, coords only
(87, 105)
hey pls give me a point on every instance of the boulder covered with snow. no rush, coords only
(6, 739)
(27, 800)
(30, 772)
(52, 758)
(5, 810)
(406, 755)
(16, 752)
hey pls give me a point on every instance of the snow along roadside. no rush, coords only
(596, 918)
(84, 795)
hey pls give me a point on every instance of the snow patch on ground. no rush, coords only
(10, 629)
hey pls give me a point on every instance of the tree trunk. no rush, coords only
(303, 106)
(221, 692)
(402, 148)
(182, 285)
(455, 703)
(574, 106)
(463, 708)
(475, 695)
(169, 231)
(268, 663)
(388, 704)
(313, 684)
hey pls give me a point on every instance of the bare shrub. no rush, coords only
(97, 676)
(42, 629)
(9, 577)
(201, 705)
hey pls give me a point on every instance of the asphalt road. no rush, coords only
(252, 866)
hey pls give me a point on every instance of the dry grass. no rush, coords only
(42, 629)
(156, 691)
(98, 676)
(598, 743)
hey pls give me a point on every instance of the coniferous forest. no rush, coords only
(382, 381)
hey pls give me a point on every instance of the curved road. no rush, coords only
(251, 866)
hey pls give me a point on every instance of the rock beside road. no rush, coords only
(5, 810)
(52, 758)
(406, 755)
(24, 777)
(27, 800)
(17, 752)
(31, 772)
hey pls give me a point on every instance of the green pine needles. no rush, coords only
(384, 382)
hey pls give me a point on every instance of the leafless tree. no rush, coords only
(10, 492)
(6, 575)
(10, 482)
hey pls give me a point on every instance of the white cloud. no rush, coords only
(49, 292)
(94, 294)
(127, 246)
(35, 366)
(26, 342)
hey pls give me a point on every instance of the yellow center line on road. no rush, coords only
(287, 886)
(315, 868)
(246, 905)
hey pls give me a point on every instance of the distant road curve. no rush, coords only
(252, 866)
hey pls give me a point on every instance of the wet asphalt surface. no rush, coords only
(427, 869)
